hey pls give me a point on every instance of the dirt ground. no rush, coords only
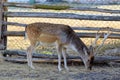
(16, 71)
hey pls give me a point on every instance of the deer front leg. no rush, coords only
(59, 51)
(29, 56)
(64, 57)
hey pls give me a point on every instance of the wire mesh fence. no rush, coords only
(20, 43)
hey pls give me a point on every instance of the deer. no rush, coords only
(62, 37)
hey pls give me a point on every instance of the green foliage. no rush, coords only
(47, 52)
(54, 7)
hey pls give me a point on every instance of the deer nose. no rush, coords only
(89, 68)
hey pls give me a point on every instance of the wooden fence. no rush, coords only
(4, 14)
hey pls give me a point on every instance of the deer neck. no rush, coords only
(79, 45)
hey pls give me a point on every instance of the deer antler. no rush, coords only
(96, 39)
(104, 39)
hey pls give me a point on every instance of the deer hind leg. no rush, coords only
(30, 49)
(64, 57)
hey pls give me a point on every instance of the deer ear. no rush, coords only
(91, 49)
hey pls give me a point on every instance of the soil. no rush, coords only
(47, 71)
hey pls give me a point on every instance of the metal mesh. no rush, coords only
(20, 43)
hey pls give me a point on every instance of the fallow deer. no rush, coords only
(63, 37)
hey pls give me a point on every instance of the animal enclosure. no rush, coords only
(86, 21)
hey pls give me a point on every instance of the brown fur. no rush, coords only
(63, 34)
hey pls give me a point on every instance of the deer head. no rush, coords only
(94, 49)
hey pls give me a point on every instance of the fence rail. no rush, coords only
(41, 6)
(115, 35)
(74, 28)
(81, 35)
(62, 15)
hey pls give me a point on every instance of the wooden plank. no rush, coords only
(81, 35)
(23, 53)
(54, 58)
(96, 9)
(14, 33)
(96, 29)
(98, 60)
(15, 24)
(22, 5)
(62, 15)
(69, 8)
(74, 28)
(92, 35)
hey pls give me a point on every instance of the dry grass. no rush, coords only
(15, 71)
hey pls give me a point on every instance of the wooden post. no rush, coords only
(3, 39)
(5, 27)
(1, 25)
(0, 21)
